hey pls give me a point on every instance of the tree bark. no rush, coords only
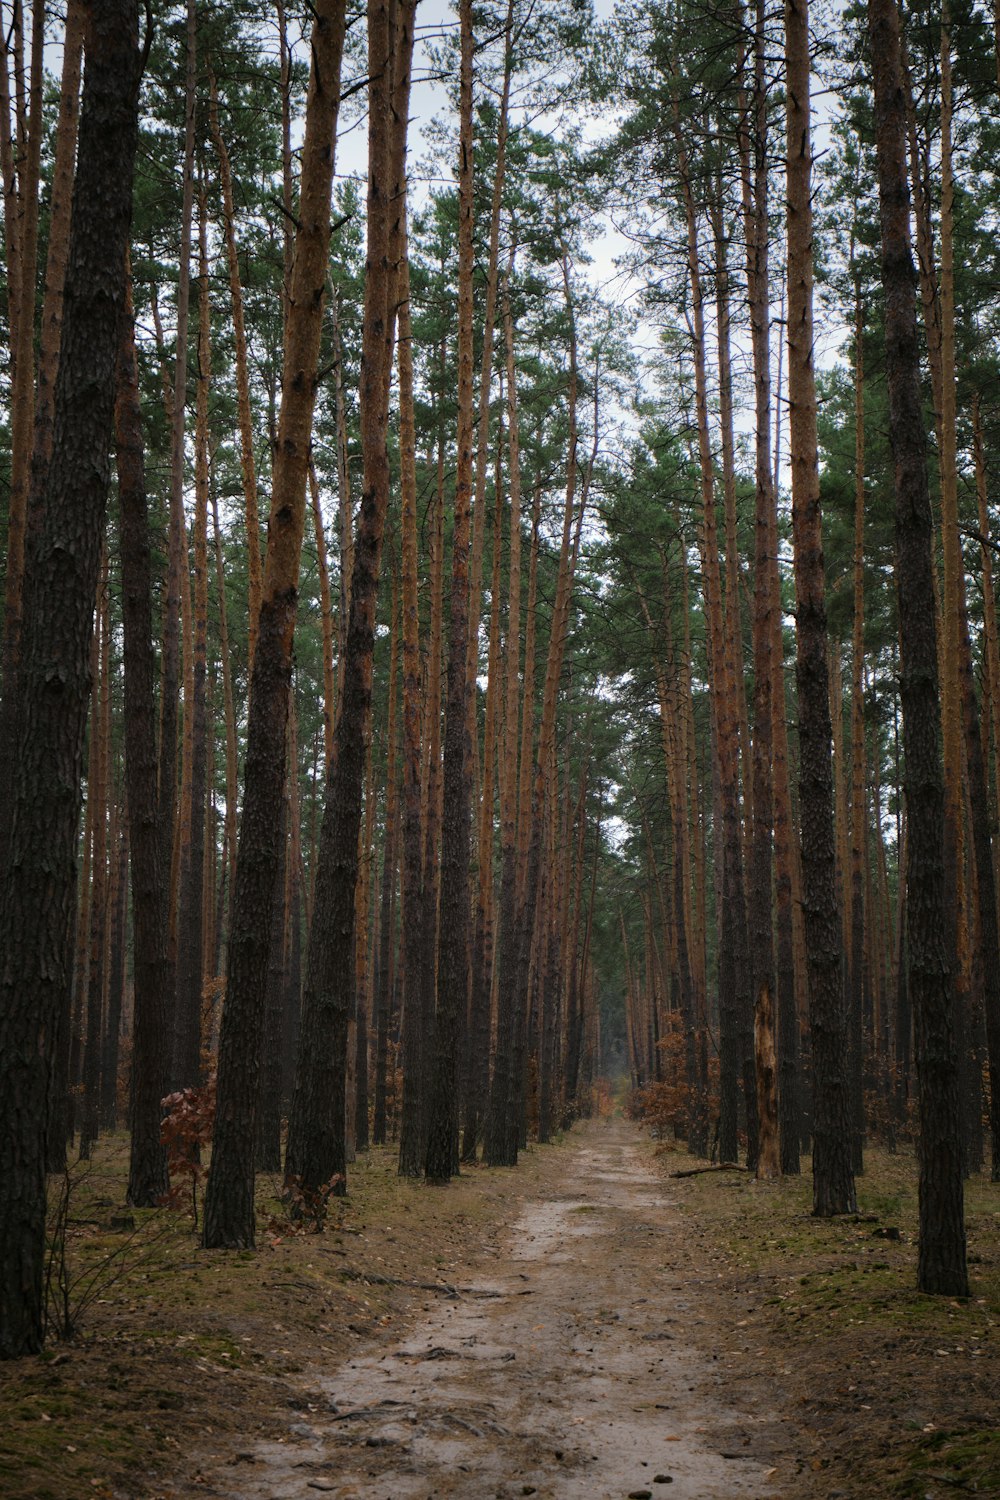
(40, 878)
(941, 1265)
(229, 1207)
(190, 978)
(453, 927)
(833, 1181)
(411, 864)
(247, 466)
(147, 1178)
(316, 1157)
(98, 768)
(755, 184)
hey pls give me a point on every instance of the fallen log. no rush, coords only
(726, 1166)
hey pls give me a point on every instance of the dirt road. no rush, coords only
(577, 1365)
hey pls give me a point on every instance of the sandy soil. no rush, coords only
(576, 1362)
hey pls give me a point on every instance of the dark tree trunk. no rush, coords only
(382, 986)
(97, 791)
(190, 978)
(268, 1145)
(453, 926)
(941, 1265)
(147, 1180)
(40, 879)
(116, 991)
(316, 1159)
(411, 861)
(170, 660)
(833, 1180)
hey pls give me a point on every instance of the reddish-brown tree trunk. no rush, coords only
(316, 1158)
(833, 1181)
(229, 1206)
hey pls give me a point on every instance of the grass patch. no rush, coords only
(966, 1460)
(894, 1390)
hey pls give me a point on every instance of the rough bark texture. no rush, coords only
(40, 879)
(411, 864)
(98, 766)
(453, 946)
(247, 468)
(229, 1208)
(494, 1143)
(192, 883)
(941, 1263)
(760, 904)
(833, 1180)
(382, 997)
(22, 272)
(858, 821)
(316, 1158)
(170, 668)
(147, 1178)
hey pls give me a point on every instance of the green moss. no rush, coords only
(966, 1458)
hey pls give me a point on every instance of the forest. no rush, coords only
(499, 652)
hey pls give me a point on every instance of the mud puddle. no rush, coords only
(562, 1370)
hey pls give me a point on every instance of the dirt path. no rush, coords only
(570, 1368)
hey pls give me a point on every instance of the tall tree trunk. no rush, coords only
(453, 925)
(40, 877)
(22, 408)
(247, 467)
(229, 711)
(147, 1178)
(383, 978)
(316, 1158)
(267, 1144)
(477, 1066)
(533, 802)
(118, 912)
(229, 1206)
(60, 205)
(187, 1067)
(833, 1180)
(366, 936)
(950, 644)
(755, 187)
(858, 820)
(941, 1265)
(97, 789)
(170, 667)
(495, 1124)
(732, 935)
(411, 864)
(326, 612)
(747, 1018)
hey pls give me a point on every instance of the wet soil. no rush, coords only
(576, 1362)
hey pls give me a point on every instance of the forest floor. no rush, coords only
(583, 1326)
